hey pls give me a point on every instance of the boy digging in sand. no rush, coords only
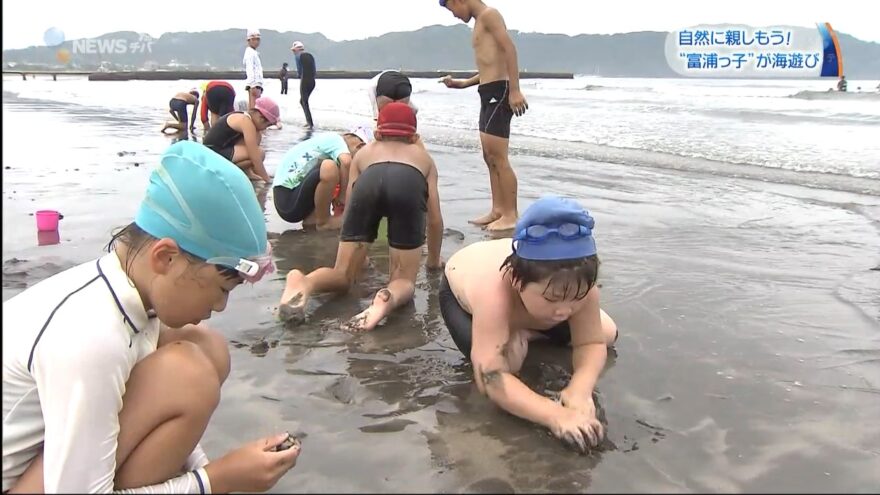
(495, 300)
(500, 100)
(308, 173)
(391, 177)
(177, 109)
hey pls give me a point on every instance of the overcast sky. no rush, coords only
(24, 22)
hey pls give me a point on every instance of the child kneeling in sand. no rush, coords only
(236, 136)
(308, 174)
(177, 108)
(108, 379)
(395, 178)
(545, 288)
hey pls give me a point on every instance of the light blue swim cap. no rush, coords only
(205, 203)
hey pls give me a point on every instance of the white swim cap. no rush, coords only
(365, 133)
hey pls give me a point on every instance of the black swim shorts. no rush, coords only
(394, 85)
(227, 152)
(459, 322)
(393, 190)
(178, 109)
(495, 112)
(294, 205)
(221, 99)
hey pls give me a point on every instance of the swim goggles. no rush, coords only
(565, 231)
(251, 269)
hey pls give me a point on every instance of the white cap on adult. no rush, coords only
(253, 33)
(297, 45)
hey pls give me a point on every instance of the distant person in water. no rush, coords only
(253, 68)
(236, 136)
(177, 108)
(309, 173)
(841, 84)
(500, 100)
(284, 77)
(391, 178)
(497, 296)
(217, 101)
(305, 66)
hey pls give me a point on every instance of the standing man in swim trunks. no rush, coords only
(304, 181)
(253, 67)
(500, 100)
(545, 289)
(177, 108)
(236, 137)
(218, 100)
(305, 66)
(391, 177)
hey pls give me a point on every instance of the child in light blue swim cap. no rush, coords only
(112, 377)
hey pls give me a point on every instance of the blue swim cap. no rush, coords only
(205, 203)
(553, 212)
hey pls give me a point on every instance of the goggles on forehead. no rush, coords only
(251, 269)
(565, 231)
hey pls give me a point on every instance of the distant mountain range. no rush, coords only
(639, 54)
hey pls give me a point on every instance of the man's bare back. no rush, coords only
(394, 151)
(187, 97)
(490, 60)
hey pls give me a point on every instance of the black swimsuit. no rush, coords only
(222, 138)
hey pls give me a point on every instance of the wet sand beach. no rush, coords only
(749, 312)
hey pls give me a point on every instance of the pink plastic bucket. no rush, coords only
(47, 220)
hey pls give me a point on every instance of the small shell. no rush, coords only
(288, 442)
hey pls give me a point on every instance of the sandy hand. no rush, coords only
(577, 429)
(254, 467)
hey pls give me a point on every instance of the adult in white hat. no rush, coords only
(253, 67)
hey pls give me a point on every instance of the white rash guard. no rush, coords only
(253, 67)
(69, 345)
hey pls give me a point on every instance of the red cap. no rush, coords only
(397, 119)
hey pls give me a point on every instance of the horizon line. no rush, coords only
(453, 26)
